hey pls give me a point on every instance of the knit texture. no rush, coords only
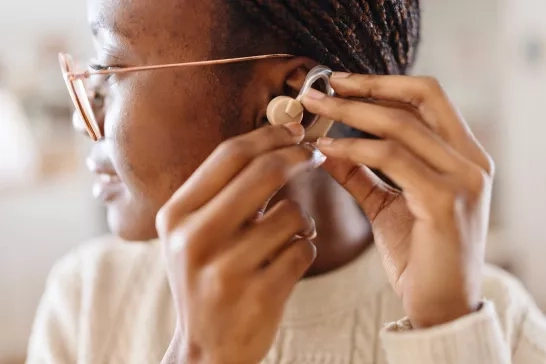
(109, 302)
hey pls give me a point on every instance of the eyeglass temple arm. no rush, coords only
(86, 74)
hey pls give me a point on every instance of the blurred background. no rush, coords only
(489, 54)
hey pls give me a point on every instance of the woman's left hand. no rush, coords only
(432, 235)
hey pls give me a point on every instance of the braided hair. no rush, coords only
(361, 36)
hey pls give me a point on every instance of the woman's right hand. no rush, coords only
(230, 266)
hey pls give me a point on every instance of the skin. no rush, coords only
(198, 161)
(153, 162)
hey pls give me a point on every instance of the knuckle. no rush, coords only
(401, 122)
(294, 214)
(489, 165)
(239, 149)
(273, 167)
(445, 202)
(345, 108)
(479, 180)
(431, 84)
(292, 209)
(304, 254)
(262, 295)
(182, 242)
(389, 151)
(185, 242)
(259, 304)
(217, 278)
(165, 220)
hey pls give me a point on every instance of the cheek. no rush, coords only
(160, 134)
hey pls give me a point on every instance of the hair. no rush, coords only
(361, 36)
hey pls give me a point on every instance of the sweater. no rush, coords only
(109, 302)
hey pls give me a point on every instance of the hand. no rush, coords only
(230, 266)
(432, 235)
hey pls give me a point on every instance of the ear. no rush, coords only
(284, 108)
(284, 77)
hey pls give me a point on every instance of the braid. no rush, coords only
(363, 36)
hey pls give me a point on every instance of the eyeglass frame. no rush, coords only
(82, 103)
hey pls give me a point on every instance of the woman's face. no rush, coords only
(158, 125)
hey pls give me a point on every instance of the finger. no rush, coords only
(427, 95)
(288, 268)
(368, 190)
(405, 169)
(266, 237)
(223, 165)
(393, 123)
(424, 93)
(246, 193)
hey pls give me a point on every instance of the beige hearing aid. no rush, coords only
(285, 109)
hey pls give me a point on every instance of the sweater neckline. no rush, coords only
(338, 291)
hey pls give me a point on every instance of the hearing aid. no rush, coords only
(285, 109)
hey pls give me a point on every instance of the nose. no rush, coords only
(78, 124)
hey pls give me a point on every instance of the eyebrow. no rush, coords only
(97, 25)
(102, 24)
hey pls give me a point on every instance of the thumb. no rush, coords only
(365, 186)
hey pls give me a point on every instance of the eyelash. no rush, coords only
(98, 67)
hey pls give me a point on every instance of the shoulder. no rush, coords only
(512, 301)
(104, 256)
(84, 293)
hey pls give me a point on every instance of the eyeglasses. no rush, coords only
(79, 95)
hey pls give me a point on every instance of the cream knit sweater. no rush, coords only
(109, 302)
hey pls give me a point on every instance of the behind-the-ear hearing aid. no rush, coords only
(285, 109)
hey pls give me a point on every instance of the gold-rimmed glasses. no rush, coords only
(78, 93)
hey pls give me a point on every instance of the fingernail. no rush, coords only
(296, 129)
(324, 141)
(315, 94)
(312, 232)
(340, 75)
(317, 158)
(314, 251)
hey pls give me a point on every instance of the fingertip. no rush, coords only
(325, 142)
(296, 129)
(313, 94)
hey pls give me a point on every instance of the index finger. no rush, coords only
(225, 162)
(425, 94)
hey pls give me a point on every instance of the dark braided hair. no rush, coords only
(362, 36)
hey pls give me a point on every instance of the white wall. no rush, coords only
(23, 22)
(523, 106)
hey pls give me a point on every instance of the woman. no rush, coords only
(191, 146)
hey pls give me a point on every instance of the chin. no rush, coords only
(129, 222)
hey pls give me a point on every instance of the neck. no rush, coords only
(343, 230)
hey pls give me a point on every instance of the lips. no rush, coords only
(108, 185)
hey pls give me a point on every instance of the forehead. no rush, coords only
(152, 24)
